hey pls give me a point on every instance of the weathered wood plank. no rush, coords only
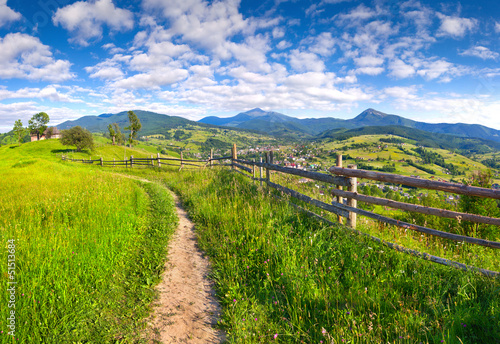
(328, 207)
(418, 208)
(419, 183)
(249, 170)
(421, 229)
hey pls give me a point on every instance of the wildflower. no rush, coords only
(255, 319)
(275, 335)
(234, 300)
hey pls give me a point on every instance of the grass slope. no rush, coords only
(89, 247)
(286, 278)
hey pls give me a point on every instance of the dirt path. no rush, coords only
(187, 309)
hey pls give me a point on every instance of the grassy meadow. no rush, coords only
(286, 278)
(89, 247)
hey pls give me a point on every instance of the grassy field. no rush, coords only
(286, 278)
(89, 247)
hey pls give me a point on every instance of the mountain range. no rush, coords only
(278, 124)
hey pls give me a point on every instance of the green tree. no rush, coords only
(19, 130)
(134, 127)
(179, 134)
(38, 124)
(480, 206)
(115, 133)
(79, 137)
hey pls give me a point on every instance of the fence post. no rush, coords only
(233, 155)
(131, 161)
(253, 171)
(158, 159)
(101, 161)
(260, 168)
(339, 187)
(268, 159)
(351, 222)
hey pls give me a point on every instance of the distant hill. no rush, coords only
(277, 124)
(152, 123)
(466, 145)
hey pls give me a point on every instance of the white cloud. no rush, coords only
(368, 61)
(323, 44)
(208, 25)
(455, 27)
(481, 52)
(370, 70)
(25, 57)
(278, 32)
(7, 15)
(152, 80)
(85, 19)
(303, 61)
(401, 70)
(400, 92)
(497, 27)
(434, 69)
(283, 45)
(358, 14)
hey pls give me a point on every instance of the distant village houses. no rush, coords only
(49, 133)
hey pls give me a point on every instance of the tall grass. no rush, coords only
(89, 248)
(284, 277)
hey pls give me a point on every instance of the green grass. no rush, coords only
(283, 277)
(89, 247)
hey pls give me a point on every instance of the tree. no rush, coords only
(115, 133)
(134, 127)
(79, 137)
(19, 130)
(38, 124)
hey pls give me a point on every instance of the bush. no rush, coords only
(79, 137)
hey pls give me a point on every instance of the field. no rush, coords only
(281, 276)
(89, 246)
(286, 278)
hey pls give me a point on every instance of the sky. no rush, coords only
(431, 61)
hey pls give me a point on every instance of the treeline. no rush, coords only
(429, 157)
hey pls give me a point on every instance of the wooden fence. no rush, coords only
(157, 161)
(346, 178)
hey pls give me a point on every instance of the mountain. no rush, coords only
(278, 124)
(152, 123)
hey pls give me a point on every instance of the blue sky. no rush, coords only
(426, 60)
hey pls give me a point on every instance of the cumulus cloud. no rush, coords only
(208, 25)
(302, 61)
(25, 57)
(400, 69)
(152, 80)
(455, 27)
(85, 19)
(7, 15)
(481, 52)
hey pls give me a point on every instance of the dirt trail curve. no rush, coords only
(187, 309)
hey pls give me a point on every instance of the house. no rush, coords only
(51, 133)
